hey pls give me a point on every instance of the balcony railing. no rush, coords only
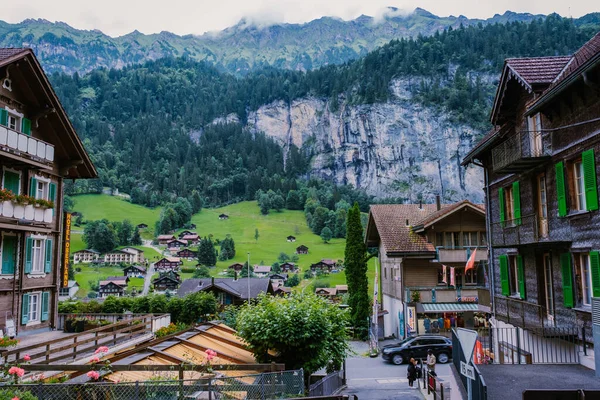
(530, 230)
(520, 152)
(27, 212)
(449, 294)
(460, 254)
(26, 146)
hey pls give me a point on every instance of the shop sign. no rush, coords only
(412, 317)
(66, 250)
(467, 299)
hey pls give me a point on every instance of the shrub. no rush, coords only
(188, 270)
(170, 329)
(10, 394)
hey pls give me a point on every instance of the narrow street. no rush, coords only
(374, 379)
(150, 271)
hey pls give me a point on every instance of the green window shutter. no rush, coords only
(45, 305)
(501, 203)
(25, 309)
(504, 274)
(28, 254)
(26, 126)
(48, 266)
(9, 246)
(589, 179)
(521, 276)
(11, 182)
(32, 187)
(561, 193)
(516, 202)
(3, 117)
(595, 268)
(567, 278)
(52, 195)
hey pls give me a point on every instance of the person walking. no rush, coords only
(411, 372)
(431, 360)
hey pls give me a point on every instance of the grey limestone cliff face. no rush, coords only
(397, 148)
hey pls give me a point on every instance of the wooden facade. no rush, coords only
(543, 200)
(38, 149)
(186, 253)
(288, 267)
(166, 282)
(302, 249)
(323, 265)
(167, 263)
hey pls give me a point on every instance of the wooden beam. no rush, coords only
(216, 337)
(202, 348)
(155, 367)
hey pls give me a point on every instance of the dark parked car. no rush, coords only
(417, 347)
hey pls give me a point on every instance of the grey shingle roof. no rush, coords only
(236, 287)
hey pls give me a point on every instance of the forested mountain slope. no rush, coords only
(395, 122)
(237, 49)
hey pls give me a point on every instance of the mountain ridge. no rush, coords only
(240, 48)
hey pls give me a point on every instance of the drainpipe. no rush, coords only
(488, 234)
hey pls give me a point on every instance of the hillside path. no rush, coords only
(148, 279)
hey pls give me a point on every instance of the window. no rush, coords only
(37, 265)
(41, 190)
(13, 122)
(11, 180)
(509, 201)
(579, 185)
(483, 239)
(534, 124)
(510, 204)
(34, 307)
(512, 275)
(583, 277)
(443, 280)
(9, 254)
(471, 239)
(451, 239)
(471, 276)
(542, 211)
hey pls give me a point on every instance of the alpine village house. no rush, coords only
(38, 149)
(541, 166)
(423, 251)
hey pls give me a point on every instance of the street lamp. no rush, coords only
(248, 277)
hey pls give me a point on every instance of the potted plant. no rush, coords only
(6, 342)
(70, 325)
(22, 201)
(6, 199)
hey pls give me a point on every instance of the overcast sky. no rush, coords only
(118, 17)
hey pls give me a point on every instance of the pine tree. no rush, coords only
(326, 235)
(136, 239)
(206, 253)
(355, 260)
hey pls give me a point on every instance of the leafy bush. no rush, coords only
(10, 394)
(170, 329)
(188, 270)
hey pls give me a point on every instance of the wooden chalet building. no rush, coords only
(278, 279)
(223, 216)
(423, 251)
(227, 290)
(186, 253)
(164, 239)
(291, 238)
(541, 176)
(113, 286)
(192, 239)
(324, 265)
(86, 256)
(302, 249)
(281, 290)
(185, 233)
(167, 281)
(134, 271)
(288, 267)
(142, 226)
(168, 263)
(237, 267)
(176, 244)
(341, 289)
(262, 271)
(137, 254)
(329, 293)
(39, 148)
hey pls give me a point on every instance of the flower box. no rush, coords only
(19, 211)
(48, 215)
(8, 208)
(39, 214)
(29, 212)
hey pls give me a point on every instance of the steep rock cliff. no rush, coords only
(398, 148)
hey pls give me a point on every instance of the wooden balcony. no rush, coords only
(445, 294)
(522, 151)
(460, 254)
(18, 146)
(528, 230)
(28, 212)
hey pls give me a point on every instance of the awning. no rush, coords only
(449, 307)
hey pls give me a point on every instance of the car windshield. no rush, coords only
(404, 341)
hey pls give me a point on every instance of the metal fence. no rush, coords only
(326, 386)
(276, 385)
(478, 386)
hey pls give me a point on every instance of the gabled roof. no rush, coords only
(532, 73)
(86, 251)
(170, 259)
(238, 287)
(326, 291)
(121, 284)
(79, 158)
(586, 57)
(447, 211)
(259, 269)
(139, 268)
(165, 237)
(165, 277)
(392, 223)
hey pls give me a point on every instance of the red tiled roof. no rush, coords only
(538, 70)
(394, 222)
(10, 52)
(448, 210)
(588, 53)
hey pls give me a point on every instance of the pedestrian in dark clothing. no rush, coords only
(411, 373)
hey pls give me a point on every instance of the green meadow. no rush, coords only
(244, 220)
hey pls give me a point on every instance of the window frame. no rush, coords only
(578, 185)
(37, 310)
(45, 182)
(513, 274)
(509, 206)
(584, 289)
(42, 253)
(17, 253)
(470, 277)
(14, 171)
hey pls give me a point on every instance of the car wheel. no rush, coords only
(443, 358)
(397, 359)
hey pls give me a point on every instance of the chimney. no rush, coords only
(438, 202)
(421, 204)
(235, 276)
(212, 280)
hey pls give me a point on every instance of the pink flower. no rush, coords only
(95, 360)
(94, 375)
(26, 357)
(16, 371)
(210, 354)
(101, 349)
(15, 398)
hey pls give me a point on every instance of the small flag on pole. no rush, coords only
(444, 278)
(471, 261)
(452, 276)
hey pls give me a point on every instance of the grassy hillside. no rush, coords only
(244, 219)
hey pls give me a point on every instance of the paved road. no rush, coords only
(372, 378)
(148, 279)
